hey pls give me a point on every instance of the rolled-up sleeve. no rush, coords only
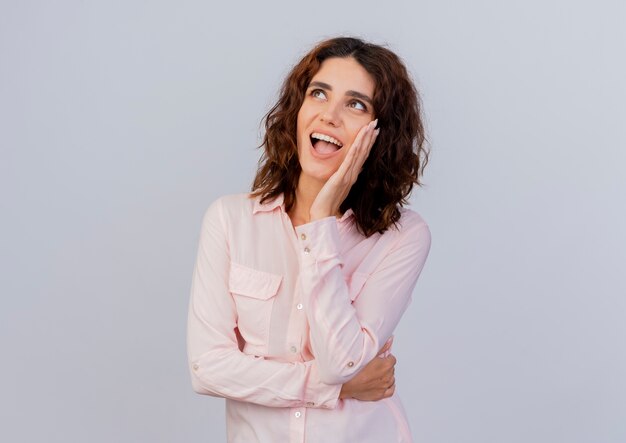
(216, 363)
(347, 332)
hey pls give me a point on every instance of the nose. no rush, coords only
(330, 115)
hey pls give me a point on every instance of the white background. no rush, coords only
(120, 121)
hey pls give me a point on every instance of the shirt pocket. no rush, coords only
(254, 292)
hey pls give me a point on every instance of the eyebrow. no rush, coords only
(351, 93)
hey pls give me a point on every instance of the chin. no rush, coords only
(315, 174)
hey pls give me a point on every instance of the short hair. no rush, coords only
(397, 158)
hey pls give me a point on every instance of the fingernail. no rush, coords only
(375, 122)
(377, 131)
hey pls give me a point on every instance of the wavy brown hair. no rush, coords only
(397, 158)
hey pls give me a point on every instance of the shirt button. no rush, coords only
(310, 403)
(350, 364)
(303, 236)
(195, 366)
(293, 349)
(298, 414)
(299, 306)
(307, 250)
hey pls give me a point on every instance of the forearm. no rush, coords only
(219, 368)
(349, 322)
(217, 365)
(342, 342)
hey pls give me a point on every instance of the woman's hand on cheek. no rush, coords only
(336, 189)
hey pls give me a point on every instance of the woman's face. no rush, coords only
(337, 104)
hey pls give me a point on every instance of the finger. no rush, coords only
(391, 360)
(389, 363)
(361, 153)
(352, 164)
(374, 137)
(371, 138)
(367, 141)
(384, 349)
(389, 391)
(348, 162)
(364, 151)
(360, 141)
(386, 346)
(364, 137)
(355, 143)
(389, 374)
(390, 341)
(388, 380)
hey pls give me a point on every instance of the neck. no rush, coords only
(306, 192)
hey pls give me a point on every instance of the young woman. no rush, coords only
(299, 285)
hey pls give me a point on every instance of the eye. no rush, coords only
(357, 104)
(318, 93)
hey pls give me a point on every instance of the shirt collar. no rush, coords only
(269, 206)
(346, 214)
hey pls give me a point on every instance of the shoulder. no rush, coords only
(412, 227)
(230, 206)
(409, 218)
(236, 202)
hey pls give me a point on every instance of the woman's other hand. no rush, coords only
(336, 189)
(375, 381)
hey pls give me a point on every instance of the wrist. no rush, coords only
(343, 394)
(319, 215)
(346, 392)
(322, 209)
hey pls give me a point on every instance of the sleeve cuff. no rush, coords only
(319, 240)
(318, 394)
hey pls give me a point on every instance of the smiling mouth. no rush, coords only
(325, 144)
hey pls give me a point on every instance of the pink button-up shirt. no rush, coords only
(280, 318)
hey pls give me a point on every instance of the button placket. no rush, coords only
(306, 249)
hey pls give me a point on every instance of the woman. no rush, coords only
(299, 285)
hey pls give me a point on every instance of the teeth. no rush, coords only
(326, 138)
